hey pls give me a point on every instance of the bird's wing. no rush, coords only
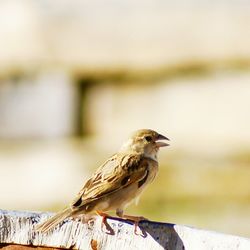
(117, 172)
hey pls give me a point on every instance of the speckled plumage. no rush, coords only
(119, 181)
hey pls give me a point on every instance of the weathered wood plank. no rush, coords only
(18, 228)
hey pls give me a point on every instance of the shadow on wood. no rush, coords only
(17, 228)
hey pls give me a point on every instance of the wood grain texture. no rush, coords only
(22, 247)
(18, 228)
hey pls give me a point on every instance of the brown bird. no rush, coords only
(116, 183)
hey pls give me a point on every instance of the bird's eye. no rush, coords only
(148, 138)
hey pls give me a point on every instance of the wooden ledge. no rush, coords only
(17, 232)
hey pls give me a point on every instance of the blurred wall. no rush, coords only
(76, 77)
(43, 105)
(120, 33)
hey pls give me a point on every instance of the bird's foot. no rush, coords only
(136, 220)
(104, 222)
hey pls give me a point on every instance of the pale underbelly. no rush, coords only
(122, 198)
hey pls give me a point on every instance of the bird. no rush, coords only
(119, 181)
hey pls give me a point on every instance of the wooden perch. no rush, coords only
(17, 232)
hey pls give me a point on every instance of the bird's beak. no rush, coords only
(160, 143)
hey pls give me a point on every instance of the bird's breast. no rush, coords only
(130, 193)
(152, 170)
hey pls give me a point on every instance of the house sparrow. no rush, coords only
(118, 182)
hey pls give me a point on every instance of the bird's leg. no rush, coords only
(104, 217)
(104, 220)
(135, 219)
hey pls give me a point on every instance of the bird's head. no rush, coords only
(145, 141)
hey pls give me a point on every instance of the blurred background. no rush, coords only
(77, 77)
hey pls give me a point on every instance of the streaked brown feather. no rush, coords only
(110, 176)
(120, 180)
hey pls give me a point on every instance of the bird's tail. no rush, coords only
(54, 220)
